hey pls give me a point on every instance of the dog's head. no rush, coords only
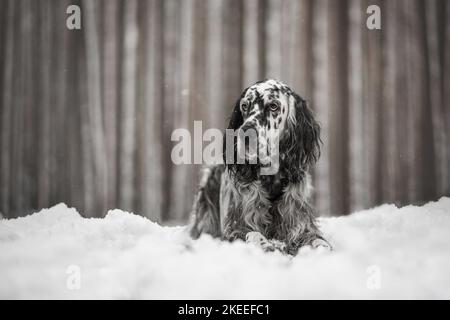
(272, 120)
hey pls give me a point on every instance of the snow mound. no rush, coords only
(385, 252)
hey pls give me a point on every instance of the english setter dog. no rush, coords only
(236, 201)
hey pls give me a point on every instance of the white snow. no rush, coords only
(384, 252)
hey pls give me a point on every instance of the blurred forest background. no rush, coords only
(86, 115)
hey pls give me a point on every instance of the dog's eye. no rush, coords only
(244, 106)
(274, 106)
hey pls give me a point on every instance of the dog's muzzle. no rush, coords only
(248, 141)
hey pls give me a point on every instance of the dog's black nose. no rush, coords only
(248, 140)
(248, 126)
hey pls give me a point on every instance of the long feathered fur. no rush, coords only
(234, 199)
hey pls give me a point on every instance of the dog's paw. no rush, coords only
(321, 244)
(259, 240)
(279, 245)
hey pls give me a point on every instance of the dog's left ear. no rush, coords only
(304, 132)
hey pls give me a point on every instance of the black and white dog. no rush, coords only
(235, 201)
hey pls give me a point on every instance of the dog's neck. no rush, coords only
(274, 185)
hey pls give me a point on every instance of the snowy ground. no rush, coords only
(385, 252)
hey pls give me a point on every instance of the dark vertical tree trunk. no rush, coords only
(110, 96)
(74, 124)
(7, 105)
(94, 107)
(61, 170)
(198, 90)
(372, 89)
(446, 84)
(437, 128)
(321, 101)
(338, 112)
(401, 108)
(415, 72)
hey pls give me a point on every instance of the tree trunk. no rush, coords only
(337, 108)
(44, 134)
(321, 102)
(357, 179)
(128, 106)
(437, 108)
(182, 174)
(216, 101)
(110, 96)
(273, 39)
(7, 107)
(151, 147)
(252, 55)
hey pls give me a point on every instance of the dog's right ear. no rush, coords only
(229, 138)
(230, 156)
(236, 119)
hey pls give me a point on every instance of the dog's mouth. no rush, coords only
(259, 153)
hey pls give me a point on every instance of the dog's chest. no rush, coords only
(274, 185)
